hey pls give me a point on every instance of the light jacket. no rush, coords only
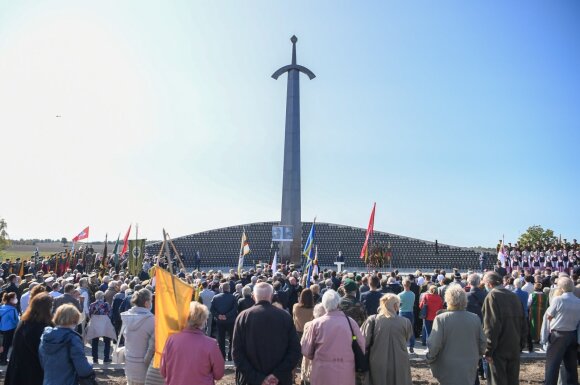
(138, 329)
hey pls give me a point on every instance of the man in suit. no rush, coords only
(224, 308)
(67, 297)
(505, 328)
(264, 354)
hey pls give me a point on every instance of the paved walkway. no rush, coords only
(418, 356)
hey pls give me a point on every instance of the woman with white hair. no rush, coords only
(386, 335)
(328, 343)
(456, 342)
(191, 357)
(100, 326)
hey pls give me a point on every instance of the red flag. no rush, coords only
(126, 241)
(364, 250)
(82, 235)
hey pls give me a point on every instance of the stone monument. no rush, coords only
(291, 206)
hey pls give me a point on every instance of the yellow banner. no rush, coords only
(172, 299)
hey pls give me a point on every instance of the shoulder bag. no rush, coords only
(361, 363)
(118, 355)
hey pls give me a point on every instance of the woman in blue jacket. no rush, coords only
(8, 322)
(61, 350)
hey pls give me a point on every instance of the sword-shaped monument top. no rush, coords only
(293, 66)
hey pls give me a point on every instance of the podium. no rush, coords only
(339, 266)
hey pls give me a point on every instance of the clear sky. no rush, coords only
(461, 119)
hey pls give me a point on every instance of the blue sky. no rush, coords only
(460, 119)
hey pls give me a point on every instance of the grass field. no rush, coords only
(26, 255)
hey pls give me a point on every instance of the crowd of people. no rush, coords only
(279, 326)
(561, 256)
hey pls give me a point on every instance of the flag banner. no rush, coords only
(82, 235)
(364, 253)
(172, 299)
(244, 250)
(275, 263)
(125, 241)
(105, 253)
(308, 252)
(136, 252)
(116, 253)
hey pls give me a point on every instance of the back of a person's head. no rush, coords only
(388, 305)
(198, 314)
(330, 300)
(306, 299)
(139, 298)
(39, 309)
(493, 278)
(8, 297)
(69, 288)
(565, 284)
(456, 298)
(263, 292)
(474, 280)
(66, 315)
(375, 282)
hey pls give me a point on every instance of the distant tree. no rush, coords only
(535, 234)
(64, 241)
(4, 241)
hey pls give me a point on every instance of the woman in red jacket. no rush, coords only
(434, 303)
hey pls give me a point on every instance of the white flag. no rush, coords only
(275, 263)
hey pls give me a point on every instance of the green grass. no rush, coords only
(26, 255)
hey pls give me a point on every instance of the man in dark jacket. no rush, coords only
(293, 289)
(475, 296)
(505, 328)
(264, 354)
(224, 309)
(67, 297)
(371, 298)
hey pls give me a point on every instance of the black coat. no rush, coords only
(245, 303)
(260, 349)
(24, 365)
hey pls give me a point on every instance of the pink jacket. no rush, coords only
(190, 357)
(328, 343)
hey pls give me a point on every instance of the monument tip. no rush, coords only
(293, 39)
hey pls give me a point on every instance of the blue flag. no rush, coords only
(309, 252)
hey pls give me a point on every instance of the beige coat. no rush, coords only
(100, 326)
(456, 344)
(389, 360)
(139, 332)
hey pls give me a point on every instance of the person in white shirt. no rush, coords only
(84, 298)
(55, 293)
(529, 284)
(25, 299)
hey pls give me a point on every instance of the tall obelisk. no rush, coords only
(291, 209)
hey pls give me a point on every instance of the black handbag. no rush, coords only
(361, 362)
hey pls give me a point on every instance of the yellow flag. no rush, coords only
(172, 299)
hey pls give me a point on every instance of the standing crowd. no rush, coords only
(278, 326)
